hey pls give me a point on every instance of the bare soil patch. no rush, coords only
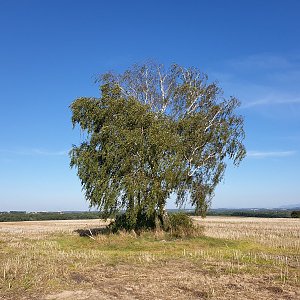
(174, 280)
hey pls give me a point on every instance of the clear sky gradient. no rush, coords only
(50, 52)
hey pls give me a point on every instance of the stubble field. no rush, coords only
(236, 258)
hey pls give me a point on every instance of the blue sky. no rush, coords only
(50, 52)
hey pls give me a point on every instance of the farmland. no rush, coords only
(236, 258)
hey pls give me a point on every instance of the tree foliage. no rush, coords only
(295, 214)
(154, 132)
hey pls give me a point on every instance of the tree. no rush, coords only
(154, 132)
(295, 214)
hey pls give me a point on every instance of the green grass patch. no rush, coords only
(148, 242)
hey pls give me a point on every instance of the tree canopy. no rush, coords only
(154, 132)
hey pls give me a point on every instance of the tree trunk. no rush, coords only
(163, 218)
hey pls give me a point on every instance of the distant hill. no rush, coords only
(291, 206)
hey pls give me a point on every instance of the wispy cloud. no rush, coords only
(267, 154)
(265, 61)
(35, 152)
(49, 153)
(265, 79)
(272, 100)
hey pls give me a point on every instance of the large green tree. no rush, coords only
(154, 132)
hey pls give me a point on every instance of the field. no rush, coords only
(236, 258)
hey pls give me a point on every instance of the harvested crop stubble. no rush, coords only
(238, 258)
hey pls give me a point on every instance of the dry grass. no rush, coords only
(238, 258)
(274, 232)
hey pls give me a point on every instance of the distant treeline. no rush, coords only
(258, 213)
(42, 216)
(253, 213)
(14, 216)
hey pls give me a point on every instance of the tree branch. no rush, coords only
(211, 122)
(198, 167)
